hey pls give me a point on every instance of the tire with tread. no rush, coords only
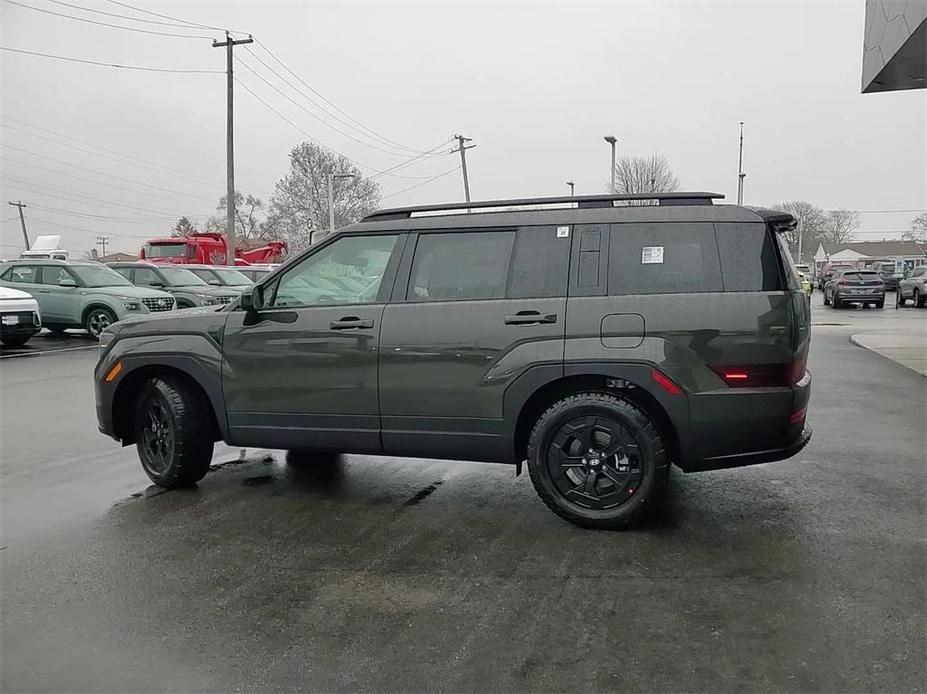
(654, 460)
(918, 299)
(834, 301)
(900, 301)
(826, 300)
(188, 413)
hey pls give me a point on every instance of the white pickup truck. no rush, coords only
(19, 317)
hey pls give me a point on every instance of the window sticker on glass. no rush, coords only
(651, 255)
(563, 232)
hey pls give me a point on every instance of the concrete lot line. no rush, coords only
(907, 349)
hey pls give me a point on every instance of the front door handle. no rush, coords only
(45, 291)
(350, 323)
(530, 318)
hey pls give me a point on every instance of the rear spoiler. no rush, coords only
(778, 221)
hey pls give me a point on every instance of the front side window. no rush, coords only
(53, 274)
(461, 265)
(349, 271)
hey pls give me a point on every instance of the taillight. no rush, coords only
(762, 375)
(842, 282)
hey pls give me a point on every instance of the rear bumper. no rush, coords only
(860, 298)
(771, 455)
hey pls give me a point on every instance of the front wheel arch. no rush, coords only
(130, 389)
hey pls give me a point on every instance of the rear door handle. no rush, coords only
(350, 323)
(530, 318)
(45, 291)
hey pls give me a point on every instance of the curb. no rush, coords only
(887, 358)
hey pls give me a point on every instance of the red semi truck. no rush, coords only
(208, 249)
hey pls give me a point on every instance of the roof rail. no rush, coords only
(582, 201)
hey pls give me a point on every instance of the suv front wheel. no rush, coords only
(171, 419)
(597, 460)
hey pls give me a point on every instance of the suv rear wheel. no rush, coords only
(597, 460)
(171, 425)
(918, 298)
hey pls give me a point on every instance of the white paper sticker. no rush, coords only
(563, 232)
(651, 255)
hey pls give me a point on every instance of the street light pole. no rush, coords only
(740, 168)
(572, 185)
(331, 198)
(610, 139)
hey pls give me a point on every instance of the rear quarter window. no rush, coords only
(749, 262)
(663, 258)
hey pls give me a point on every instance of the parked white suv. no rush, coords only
(19, 317)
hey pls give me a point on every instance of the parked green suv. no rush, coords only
(81, 295)
(597, 338)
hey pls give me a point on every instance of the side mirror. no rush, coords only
(67, 283)
(156, 283)
(253, 301)
(215, 283)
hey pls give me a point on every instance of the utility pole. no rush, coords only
(22, 221)
(331, 199)
(229, 44)
(102, 240)
(572, 185)
(740, 169)
(463, 161)
(610, 139)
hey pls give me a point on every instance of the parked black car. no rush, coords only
(889, 276)
(597, 342)
(855, 287)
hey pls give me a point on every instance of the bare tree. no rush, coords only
(644, 175)
(299, 207)
(918, 231)
(812, 221)
(248, 217)
(840, 225)
(183, 227)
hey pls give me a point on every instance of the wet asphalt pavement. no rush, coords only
(385, 575)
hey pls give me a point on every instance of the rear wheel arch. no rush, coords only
(674, 431)
(131, 387)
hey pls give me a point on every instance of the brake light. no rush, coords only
(665, 383)
(761, 375)
(736, 376)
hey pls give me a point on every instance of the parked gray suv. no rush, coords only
(595, 339)
(188, 289)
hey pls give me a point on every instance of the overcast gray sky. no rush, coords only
(535, 85)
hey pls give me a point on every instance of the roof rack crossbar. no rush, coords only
(582, 201)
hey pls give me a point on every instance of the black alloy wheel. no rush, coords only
(594, 462)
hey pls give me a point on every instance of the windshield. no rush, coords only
(178, 277)
(101, 276)
(165, 250)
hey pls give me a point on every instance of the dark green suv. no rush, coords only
(598, 338)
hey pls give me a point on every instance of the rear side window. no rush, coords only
(25, 274)
(146, 276)
(749, 262)
(53, 274)
(457, 266)
(539, 265)
(663, 258)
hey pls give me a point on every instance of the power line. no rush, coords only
(921, 209)
(313, 115)
(124, 16)
(88, 215)
(386, 172)
(106, 24)
(95, 171)
(417, 185)
(115, 65)
(142, 163)
(172, 196)
(164, 16)
(326, 111)
(329, 102)
(71, 196)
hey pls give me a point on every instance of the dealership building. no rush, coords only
(895, 45)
